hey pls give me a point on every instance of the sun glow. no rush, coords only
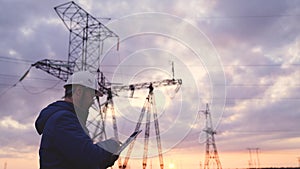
(171, 165)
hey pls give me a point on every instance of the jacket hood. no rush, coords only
(47, 112)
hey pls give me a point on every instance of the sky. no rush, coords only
(241, 57)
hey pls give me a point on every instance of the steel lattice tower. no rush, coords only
(86, 42)
(211, 153)
(86, 36)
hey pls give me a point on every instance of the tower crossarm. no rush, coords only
(155, 84)
(57, 68)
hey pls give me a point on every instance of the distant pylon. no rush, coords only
(254, 162)
(211, 155)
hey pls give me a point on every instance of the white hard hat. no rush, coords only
(83, 78)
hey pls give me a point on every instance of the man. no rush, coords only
(65, 142)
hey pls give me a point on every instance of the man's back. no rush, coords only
(64, 143)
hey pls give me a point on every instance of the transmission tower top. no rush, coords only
(86, 42)
(86, 36)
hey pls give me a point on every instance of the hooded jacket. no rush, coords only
(64, 143)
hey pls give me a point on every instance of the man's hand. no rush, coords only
(111, 145)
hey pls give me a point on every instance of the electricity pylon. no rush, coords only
(254, 162)
(86, 40)
(150, 109)
(86, 43)
(211, 155)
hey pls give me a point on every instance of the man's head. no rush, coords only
(81, 88)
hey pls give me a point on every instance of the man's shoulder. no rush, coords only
(53, 111)
(64, 113)
(62, 108)
(62, 119)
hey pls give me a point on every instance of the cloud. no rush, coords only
(17, 138)
(266, 117)
(258, 44)
(9, 123)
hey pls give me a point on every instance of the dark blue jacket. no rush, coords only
(64, 144)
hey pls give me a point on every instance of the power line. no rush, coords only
(249, 16)
(7, 59)
(202, 84)
(193, 65)
(39, 92)
(29, 78)
(15, 60)
(251, 132)
(27, 86)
